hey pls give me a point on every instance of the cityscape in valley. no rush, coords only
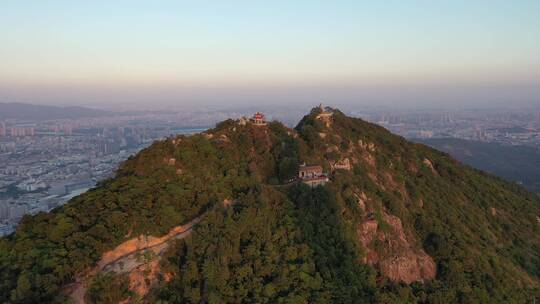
(509, 127)
(44, 163)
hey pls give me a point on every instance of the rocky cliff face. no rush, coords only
(392, 253)
(396, 253)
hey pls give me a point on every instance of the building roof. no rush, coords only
(315, 178)
(310, 168)
(258, 115)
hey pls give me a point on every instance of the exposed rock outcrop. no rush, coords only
(369, 159)
(366, 146)
(142, 278)
(392, 253)
(361, 199)
(128, 258)
(343, 164)
(429, 164)
(325, 117)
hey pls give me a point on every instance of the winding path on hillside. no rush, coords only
(126, 257)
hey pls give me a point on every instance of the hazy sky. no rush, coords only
(185, 52)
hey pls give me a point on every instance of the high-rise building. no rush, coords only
(2, 129)
(22, 130)
(68, 130)
(4, 210)
(17, 211)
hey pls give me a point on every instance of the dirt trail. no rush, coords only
(126, 257)
(142, 243)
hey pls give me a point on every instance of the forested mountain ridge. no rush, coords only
(397, 223)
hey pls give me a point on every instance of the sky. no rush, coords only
(180, 53)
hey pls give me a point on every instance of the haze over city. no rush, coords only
(177, 54)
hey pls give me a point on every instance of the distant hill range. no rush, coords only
(516, 163)
(25, 111)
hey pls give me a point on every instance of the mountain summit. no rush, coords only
(336, 210)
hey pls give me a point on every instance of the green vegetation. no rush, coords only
(515, 163)
(108, 289)
(251, 253)
(336, 252)
(283, 242)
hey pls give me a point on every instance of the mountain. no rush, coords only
(515, 163)
(23, 111)
(219, 217)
